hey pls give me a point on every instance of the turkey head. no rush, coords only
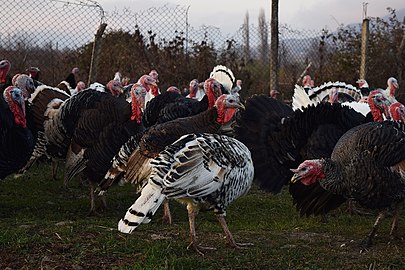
(138, 93)
(213, 90)
(379, 105)
(226, 106)
(115, 88)
(15, 100)
(308, 172)
(4, 69)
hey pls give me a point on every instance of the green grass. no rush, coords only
(43, 225)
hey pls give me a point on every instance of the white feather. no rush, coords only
(360, 107)
(224, 76)
(300, 98)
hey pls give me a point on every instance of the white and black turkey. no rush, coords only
(345, 93)
(204, 171)
(138, 151)
(367, 165)
(40, 101)
(133, 160)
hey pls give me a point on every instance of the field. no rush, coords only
(45, 226)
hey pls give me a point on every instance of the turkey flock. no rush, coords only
(334, 143)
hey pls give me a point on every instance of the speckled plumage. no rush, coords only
(210, 170)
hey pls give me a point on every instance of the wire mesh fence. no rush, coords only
(46, 34)
(56, 35)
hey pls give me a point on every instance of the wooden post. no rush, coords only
(274, 46)
(364, 48)
(95, 56)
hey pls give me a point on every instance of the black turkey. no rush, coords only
(281, 139)
(16, 140)
(367, 165)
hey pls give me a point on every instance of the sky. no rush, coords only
(228, 15)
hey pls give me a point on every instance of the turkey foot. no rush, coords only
(199, 249)
(229, 236)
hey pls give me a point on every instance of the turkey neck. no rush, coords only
(333, 181)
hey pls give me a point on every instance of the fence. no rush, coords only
(56, 35)
(46, 34)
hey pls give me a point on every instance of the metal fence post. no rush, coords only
(364, 48)
(274, 46)
(95, 56)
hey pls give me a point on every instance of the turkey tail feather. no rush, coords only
(75, 163)
(224, 76)
(143, 209)
(39, 150)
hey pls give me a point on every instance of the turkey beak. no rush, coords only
(296, 177)
(240, 105)
(396, 85)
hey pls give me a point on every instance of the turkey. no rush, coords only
(379, 105)
(363, 87)
(16, 140)
(391, 89)
(97, 125)
(37, 106)
(366, 165)
(203, 171)
(149, 83)
(307, 197)
(71, 78)
(133, 160)
(397, 111)
(26, 84)
(307, 83)
(346, 92)
(237, 88)
(115, 88)
(34, 73)
(196, 92)
(280, 138)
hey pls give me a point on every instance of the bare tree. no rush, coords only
(264, 36)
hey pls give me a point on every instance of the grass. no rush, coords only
(46, 226)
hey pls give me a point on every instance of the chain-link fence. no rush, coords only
(56, 35)
(46, 34)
